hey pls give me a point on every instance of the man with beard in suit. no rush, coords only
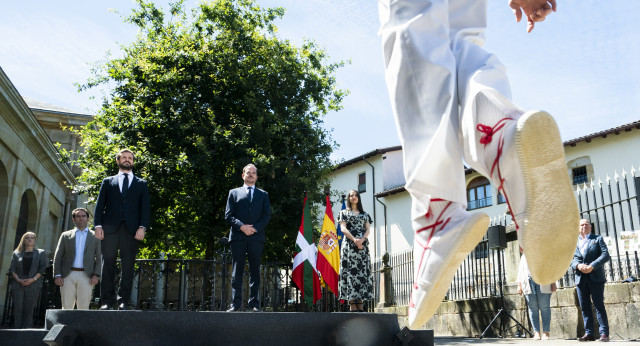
(122, 218)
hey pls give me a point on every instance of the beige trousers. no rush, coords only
(76, 290)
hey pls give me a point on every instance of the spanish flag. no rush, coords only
(329, 251)
(304, 273)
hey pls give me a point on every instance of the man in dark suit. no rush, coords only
(248, 212)
(76, 263)
(122, 217)
(588, 262)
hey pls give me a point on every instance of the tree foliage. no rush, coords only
(199, 95)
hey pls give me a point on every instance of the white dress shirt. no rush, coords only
(81, 240)
(121, 179)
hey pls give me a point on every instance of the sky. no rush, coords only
(581, 64)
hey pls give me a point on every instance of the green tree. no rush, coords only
(198, 96)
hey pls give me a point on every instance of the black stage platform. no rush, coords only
(91, 327)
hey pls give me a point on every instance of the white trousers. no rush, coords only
(440, 82)
(76, 290)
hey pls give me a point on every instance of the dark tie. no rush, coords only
(250, 195)
(125, 184)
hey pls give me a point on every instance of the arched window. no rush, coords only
(479, 193)
(27, 217)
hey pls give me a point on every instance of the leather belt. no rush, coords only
(77, 269)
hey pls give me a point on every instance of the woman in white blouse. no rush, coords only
(538, 300)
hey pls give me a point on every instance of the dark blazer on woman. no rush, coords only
(38, 265)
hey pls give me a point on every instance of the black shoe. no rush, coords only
(233, 309)
(106, 307)
(587, 337)
(123, 306)
(604, 337)
(256, 310)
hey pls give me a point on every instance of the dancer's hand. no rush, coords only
(535, 10)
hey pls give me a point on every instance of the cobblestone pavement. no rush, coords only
(439, 340)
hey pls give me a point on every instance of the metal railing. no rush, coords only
(614, 212)
(192, 285)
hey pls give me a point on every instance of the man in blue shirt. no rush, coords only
(77, 262)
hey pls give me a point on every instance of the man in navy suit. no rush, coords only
(121, 218)
(588, 262)
(248, 212)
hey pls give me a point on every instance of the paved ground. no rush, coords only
(439, 340)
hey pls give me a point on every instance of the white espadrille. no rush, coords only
(529, 169)
(447, 235)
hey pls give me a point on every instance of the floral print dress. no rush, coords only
(356, 281)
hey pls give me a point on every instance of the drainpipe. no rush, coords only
(386, 234)
(373, 194)
(65, 213)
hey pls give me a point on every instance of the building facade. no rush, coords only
(35, 193)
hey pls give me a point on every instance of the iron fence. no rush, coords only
(614, 213)
(192, 285)
(477, 277)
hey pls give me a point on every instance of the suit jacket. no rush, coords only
(596, 255)
(112, 207)
(38, 265)
(240, 211)
(66, 253)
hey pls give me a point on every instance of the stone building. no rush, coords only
(35, 193)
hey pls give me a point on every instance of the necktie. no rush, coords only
(125, 184)
(250, 194)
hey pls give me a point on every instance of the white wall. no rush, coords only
(613, 153)
(393, 175)
(346, 179)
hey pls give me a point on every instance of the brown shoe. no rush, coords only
(604, 337)
(587, 337)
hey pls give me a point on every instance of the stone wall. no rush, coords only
(470, 317)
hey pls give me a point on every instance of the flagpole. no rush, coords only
(324, 291)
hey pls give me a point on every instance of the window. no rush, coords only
(501, 198)
(580, 175)
(362, 182)
(479, 193)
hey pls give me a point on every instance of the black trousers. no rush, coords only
(124, 241)
(240, 250)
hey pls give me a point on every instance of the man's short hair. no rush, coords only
(125, 151)
(249, 165)
(75, 211)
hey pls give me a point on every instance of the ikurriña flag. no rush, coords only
(329, 251)
(305, 274)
